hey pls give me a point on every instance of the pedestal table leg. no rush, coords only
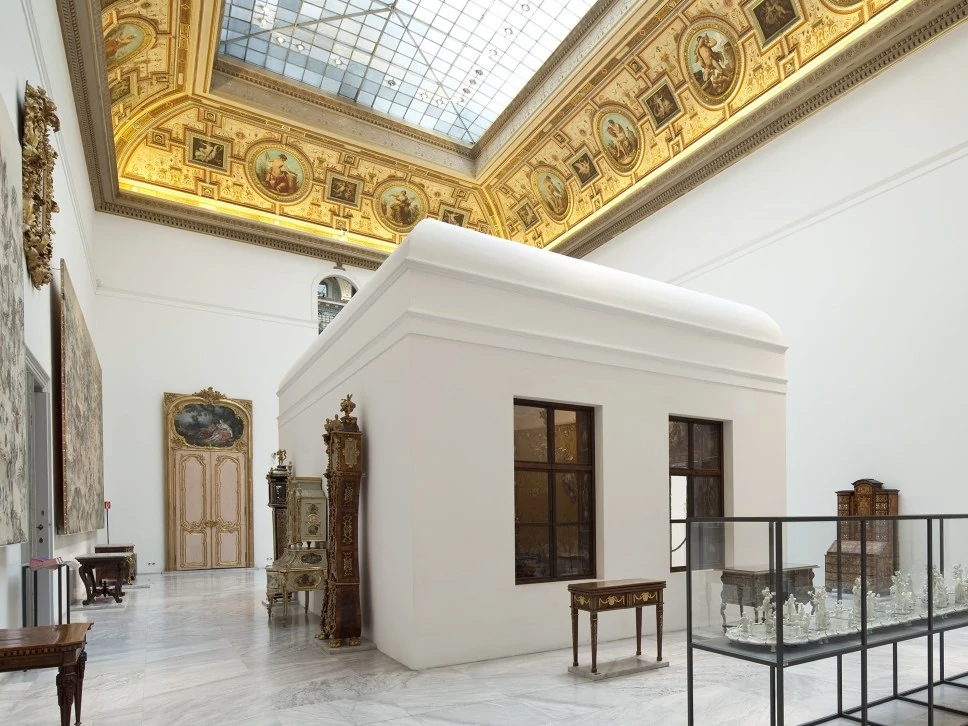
(658, 631)
(574, 636)
(638, 631)
(594, 619)
(79, 686)
(65, 693)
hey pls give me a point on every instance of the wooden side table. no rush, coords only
(604, 595)
(744, 586)
(105, 566)
(128, 548)
(50, 646)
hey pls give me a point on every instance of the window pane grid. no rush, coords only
(544, 434)
(696, 474)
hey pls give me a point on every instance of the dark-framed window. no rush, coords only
(554, 492)
(696, 489)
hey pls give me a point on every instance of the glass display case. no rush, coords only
(781, 599)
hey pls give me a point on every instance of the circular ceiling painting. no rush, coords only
(553, 192)
(712, 61)
(278, 172)
(619, 137)
(399, 205)
(126, 39)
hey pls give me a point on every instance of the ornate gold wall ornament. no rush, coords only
(211, 396)
(40, 117)
(712, 59)
(611, 600)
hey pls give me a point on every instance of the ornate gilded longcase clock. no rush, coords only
(342, 621)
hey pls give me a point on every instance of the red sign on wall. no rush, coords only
(107, 504)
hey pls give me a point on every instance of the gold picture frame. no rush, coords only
(40, 117)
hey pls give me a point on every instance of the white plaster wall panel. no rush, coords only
(34, 53)
(851, 235)
(453, 457)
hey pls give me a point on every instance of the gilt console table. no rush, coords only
(605, 595)
(100, 569)
(50, 646)
(744, 586)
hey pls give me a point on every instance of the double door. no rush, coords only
(211, 511)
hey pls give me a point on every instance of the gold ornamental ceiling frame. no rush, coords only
(507, 174)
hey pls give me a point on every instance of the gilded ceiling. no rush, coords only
(669, 93)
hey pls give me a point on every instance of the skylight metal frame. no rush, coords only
(448, 66)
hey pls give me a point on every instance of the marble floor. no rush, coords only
(195, 649)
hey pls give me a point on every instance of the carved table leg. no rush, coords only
(574, 636)
(658, 631)
(594, 619)
(739, 596)
(638, 631)
(79, 686)
(65, 693)
(90, 584)
(285, 607)
(722, 608)
(306, 608)
(120, 575)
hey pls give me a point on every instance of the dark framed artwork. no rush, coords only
(662, 105)
(773, 18)
(206, 152)
(584, 166)
(453, 215)
(343, 190)
(527, 215)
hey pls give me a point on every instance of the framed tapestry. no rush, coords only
(13, 380)
(81, 483)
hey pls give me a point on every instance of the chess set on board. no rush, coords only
(815, 622)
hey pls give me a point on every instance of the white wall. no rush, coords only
(849, 230)
(178, 312)
(34, 53)
(436, 348)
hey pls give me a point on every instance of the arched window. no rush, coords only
(332, 293)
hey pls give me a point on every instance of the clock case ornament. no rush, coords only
(40, 117)
(342, 622)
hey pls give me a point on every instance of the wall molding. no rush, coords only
(828, 211)
(186, 304)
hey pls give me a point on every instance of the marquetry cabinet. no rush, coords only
(342, 616)
(866, 498)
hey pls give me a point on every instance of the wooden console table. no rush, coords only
(99, 569)
(50, 646)
(127, 548)
(744, 586)
(603, 595)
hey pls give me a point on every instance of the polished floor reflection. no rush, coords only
(195, 649)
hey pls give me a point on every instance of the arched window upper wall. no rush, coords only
(332, 293)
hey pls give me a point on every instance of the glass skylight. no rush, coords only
(450, 66)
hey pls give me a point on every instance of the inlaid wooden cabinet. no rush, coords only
(867, 498)
(208, 481)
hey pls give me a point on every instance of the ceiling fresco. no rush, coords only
(663, 84)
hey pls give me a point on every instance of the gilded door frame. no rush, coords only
(173, 441)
